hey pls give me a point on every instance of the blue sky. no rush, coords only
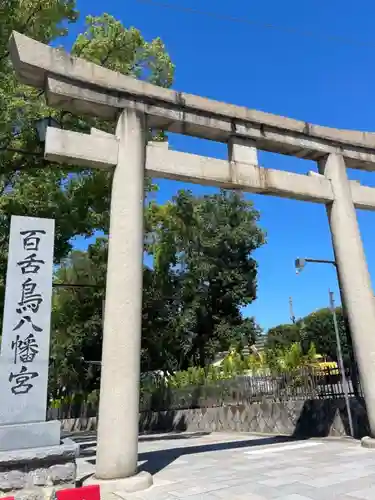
(313, 77)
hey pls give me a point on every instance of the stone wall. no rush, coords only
(312, 418)
(36, 473)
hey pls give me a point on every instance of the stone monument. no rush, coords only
(32, 455)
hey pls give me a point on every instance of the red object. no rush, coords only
(7, 498)
(84, 493)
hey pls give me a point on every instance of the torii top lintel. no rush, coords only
(83, 87)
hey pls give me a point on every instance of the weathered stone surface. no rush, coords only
(63, 473)
(68, 450)
(12, 480)
(313, 418)
(34, 62)
(29, 435)
(23, 478)
(140, 481)
(38, 469)
(20, 401)
(306, 418)
(38, 477)
(368, 442)
(79, 424)
(32, 495)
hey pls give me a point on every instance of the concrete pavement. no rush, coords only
(232, 466)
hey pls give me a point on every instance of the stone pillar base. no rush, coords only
(35, 473)
(140, 481)
(368, 442)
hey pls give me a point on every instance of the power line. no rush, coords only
(253, 22)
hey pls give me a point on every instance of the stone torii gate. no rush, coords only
(75, 85)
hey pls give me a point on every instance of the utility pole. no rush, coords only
(291, 310)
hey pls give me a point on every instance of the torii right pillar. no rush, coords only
(355, 279)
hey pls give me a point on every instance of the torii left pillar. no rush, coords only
(117, 447)
(125, 153)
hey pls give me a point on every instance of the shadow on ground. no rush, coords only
(171, 436)
(87, 442)
(157, 460)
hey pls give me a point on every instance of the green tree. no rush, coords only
(77, 317)
(203, 274)
(202, 249)
(29, 185)
(282, 336)
(319, 328)
(316, 328)
(26, 187)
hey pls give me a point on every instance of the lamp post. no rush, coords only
(300, 265)
(341, 362)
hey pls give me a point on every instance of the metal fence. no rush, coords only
(304, 383)
(301, 384)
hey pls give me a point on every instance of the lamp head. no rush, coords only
(299, 264)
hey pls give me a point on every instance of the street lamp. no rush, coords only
(300, 265)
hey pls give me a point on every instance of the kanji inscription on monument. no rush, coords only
(25, 342)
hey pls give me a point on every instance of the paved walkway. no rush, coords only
(232, 466)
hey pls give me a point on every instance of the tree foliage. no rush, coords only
(108, 43)
(202, 249)
(282, 336)
(203, 272)
(317, 328)
(77, 316)
(77, 199)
